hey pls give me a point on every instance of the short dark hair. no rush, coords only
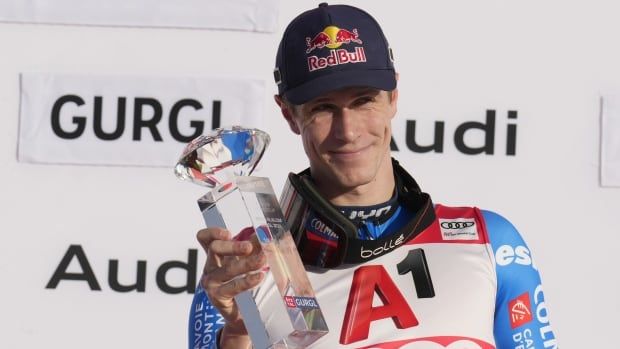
(294, 107)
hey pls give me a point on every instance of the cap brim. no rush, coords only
(381, 79)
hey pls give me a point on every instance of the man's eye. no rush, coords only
(321, 107)
(363, 100)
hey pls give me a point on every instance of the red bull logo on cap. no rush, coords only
(333, 37)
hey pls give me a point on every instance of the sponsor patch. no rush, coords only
(334, 37)
(458, 229)
(520, 310)
(290, 302)
(318, 227)
(301, 302)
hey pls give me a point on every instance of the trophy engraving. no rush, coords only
(223, 161)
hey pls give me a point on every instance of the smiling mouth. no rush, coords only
(347, 153)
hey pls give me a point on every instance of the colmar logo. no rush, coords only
(333, 37)
(322, 229)
(542, 315)
(520, 310)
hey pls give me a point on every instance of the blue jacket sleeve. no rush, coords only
(521, 316)
(204, 322)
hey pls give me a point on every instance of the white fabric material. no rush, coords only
(241, 103)
(610, 141)
(463, 276)
(250, 15)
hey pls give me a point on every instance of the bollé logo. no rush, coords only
(487, 128)
(392, 244)
(147, 114)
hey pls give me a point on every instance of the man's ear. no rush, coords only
(394, 98)
(287, 113)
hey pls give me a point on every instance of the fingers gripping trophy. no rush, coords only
(223, 161)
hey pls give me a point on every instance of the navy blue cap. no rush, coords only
(329, 48)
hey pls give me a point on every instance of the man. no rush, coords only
(414, 274)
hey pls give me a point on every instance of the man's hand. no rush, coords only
(223, 278)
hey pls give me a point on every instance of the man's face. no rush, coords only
(346, 135)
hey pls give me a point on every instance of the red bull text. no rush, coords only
(333, 37)
(336, 57)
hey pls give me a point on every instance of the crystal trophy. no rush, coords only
(223, 161)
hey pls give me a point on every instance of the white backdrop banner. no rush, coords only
(116, 120)
(610, 141)
(251, 15)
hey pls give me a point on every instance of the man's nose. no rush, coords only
(347, 125)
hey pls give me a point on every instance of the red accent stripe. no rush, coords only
(317, 238)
